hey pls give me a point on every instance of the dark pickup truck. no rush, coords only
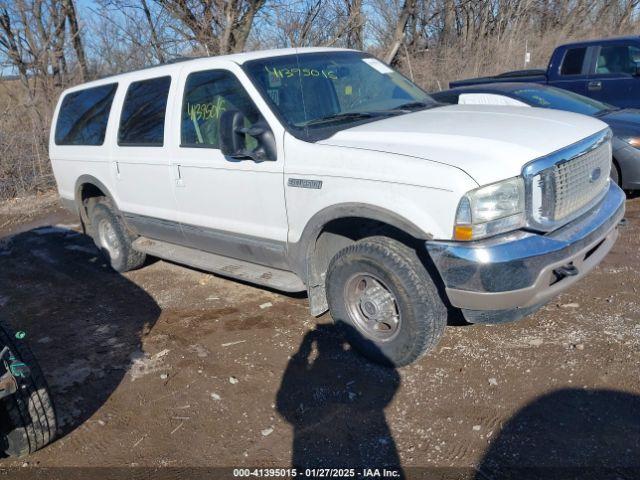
(606, 69)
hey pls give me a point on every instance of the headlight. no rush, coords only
(633, 141)
(490, 210)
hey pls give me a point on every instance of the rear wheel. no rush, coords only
(382, 295)
(27, 417)
(112, 237)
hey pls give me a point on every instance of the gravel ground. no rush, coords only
(172, 367)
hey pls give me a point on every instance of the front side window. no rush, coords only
(142, 119)
(207, 95)
(317, 94)
(84, 116)
(573, 60)
(618, 59)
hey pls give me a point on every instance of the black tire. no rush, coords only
(27, 417)
(120, 255)
(422, 313)
(615, 173)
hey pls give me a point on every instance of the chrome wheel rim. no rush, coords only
(372, 307)
(108, 238)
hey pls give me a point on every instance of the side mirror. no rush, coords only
(232, 136)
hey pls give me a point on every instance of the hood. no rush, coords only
(490, 143)
(625, 122)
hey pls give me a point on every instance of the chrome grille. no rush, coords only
(578, 181)
(566, 183)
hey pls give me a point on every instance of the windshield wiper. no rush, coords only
(336, 117)
(412, 106)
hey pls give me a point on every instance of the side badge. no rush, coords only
(302, 183)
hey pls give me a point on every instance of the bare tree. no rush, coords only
(217, 26)
(407, 11)
(76, 38)
(155, 40)
(355, 24)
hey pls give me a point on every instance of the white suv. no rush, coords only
(325, 170)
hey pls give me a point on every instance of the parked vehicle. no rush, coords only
(327, 171)
(27, 416)
(624, 123)
(606, 70)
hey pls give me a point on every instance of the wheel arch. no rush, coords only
(336, 227)
(88, 186)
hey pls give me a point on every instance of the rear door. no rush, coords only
(140, 161)
(613, 76)
(572, 72)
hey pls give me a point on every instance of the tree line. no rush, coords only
(48, 45)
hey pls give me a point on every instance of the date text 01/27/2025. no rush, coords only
(317, 472)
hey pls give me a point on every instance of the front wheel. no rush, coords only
(382, 295)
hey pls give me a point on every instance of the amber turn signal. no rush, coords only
(463, 232)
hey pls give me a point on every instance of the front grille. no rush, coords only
(566, 183)
(578, 181)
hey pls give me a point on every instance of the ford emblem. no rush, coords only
(595, 175)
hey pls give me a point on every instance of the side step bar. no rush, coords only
(224, 266)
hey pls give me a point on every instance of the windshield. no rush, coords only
(557, 99)
(318, 94)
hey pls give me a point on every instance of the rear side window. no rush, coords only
(142, 119)
(573, 60)
(84, 115)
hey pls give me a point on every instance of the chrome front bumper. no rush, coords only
(506, 277)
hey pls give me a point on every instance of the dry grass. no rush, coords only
(24, 161)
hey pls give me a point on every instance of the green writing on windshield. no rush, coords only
(277, 73)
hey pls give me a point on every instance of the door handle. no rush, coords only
(178, 176)
(594, 86)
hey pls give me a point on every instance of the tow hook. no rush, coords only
(14, 369)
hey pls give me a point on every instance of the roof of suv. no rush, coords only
(238, 58)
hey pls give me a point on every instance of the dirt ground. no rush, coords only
(172, 367)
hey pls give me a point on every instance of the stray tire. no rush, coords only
(113, 238)
(27, 417)
(382, 295)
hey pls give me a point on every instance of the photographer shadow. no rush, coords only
(335, 401)
(83, 321)
(569, 434)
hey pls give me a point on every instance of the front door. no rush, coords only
(572, 74)
(232, 207)
(614, 78)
